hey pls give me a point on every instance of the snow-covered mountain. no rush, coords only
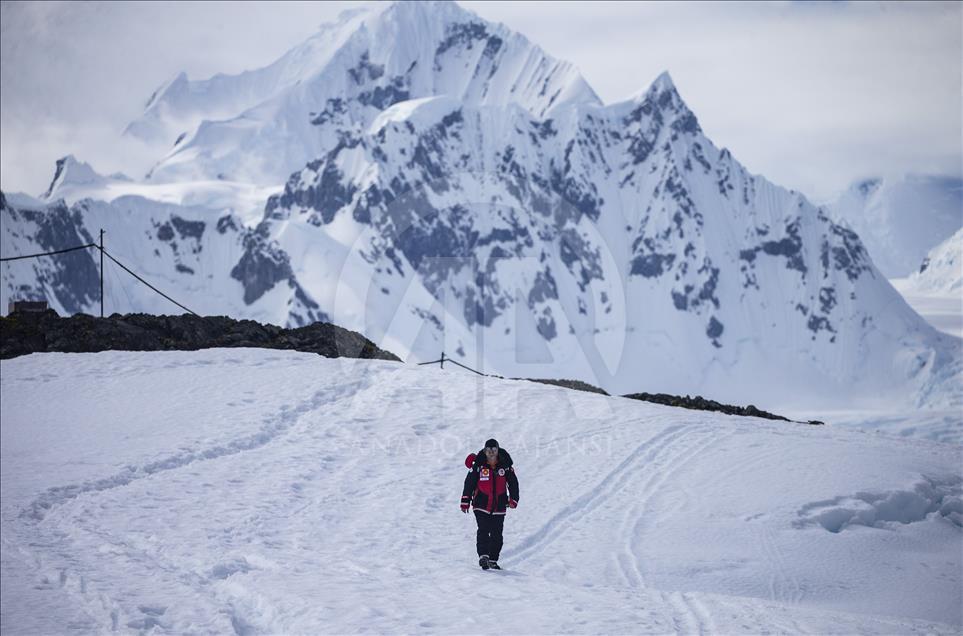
(942, 269)
(214, 265)
(601, 231)
(75, 180)
(451, 187)
(901, 219)
(261, 125)
(935, 290)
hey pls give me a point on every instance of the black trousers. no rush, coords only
(489, 538)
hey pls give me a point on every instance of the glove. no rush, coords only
(512, 503)
(464, 504)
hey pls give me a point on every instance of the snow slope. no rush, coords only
(254, 491)
(901, 219)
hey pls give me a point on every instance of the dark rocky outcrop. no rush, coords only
(697, 403)
(700, 403)
(23, 333)
(576, 385)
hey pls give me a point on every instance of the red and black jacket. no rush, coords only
(490, 489)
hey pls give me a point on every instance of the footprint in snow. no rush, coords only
(229, 568)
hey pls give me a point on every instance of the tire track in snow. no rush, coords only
(701, 614)
(784, 587)
(689, 615)
(776, 582)
(683, 617)
(570, 514)
(781, 585)
(654, 478)
(692, 614)
(627, 569)
(687, 611)
(271, 430)
(650, 487)
(112, 610)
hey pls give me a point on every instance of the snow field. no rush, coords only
(261, 491)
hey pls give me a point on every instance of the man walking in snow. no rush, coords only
(490, 487)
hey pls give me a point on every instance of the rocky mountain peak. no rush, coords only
(68, 172)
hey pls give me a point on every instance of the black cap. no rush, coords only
(492, 443)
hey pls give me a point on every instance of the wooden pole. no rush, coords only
(101, 272)
(442, 359)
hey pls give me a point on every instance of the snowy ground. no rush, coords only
(938, 425)
(264, 491)
(942, 310)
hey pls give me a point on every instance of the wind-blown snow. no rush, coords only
(265, 491)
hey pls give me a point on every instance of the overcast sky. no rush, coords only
(810, 95)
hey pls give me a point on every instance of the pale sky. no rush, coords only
(810, 95)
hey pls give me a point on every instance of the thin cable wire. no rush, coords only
(447, 359)
(126, 269)
(464, 367)
(69, 249)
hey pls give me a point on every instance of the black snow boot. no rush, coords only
(493, 565)
(483, 562)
